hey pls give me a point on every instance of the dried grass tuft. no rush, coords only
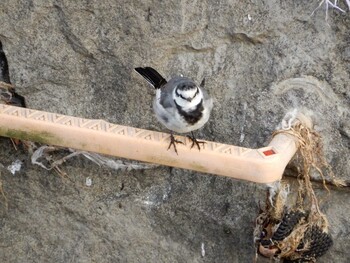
(311, 159)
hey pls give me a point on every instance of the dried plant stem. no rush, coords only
(6, 86)
(311, 159)
(328, 4)
(2, 192)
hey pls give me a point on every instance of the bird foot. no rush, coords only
(195, 142)
(173, 142)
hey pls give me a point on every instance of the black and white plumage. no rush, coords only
(180, 104)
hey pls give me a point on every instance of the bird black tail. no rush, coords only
(17, 100)
(152, 76)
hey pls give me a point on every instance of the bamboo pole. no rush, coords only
(264, 165)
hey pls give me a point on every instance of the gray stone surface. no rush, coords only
(260, 59)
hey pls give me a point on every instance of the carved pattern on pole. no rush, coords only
(103, 126)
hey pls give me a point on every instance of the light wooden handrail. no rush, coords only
(264, 165)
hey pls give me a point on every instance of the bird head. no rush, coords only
(187, 94)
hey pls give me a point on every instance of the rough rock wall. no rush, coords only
(260, 59)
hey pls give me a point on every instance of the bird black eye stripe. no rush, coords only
(187, 99)
(197, 92)
(182, 97)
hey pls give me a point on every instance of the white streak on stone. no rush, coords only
(202, 250)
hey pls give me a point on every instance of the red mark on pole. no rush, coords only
(269, 152)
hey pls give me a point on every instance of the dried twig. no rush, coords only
(2, 192)
(328, 4)
(46, 152)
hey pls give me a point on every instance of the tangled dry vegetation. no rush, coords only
(294, 228)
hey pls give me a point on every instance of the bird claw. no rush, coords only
(173, 142)
(195, 142)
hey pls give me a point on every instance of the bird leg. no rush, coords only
(195, 141)
(173, 142)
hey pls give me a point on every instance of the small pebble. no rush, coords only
(88, 181)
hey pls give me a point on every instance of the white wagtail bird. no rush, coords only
(180, 105)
